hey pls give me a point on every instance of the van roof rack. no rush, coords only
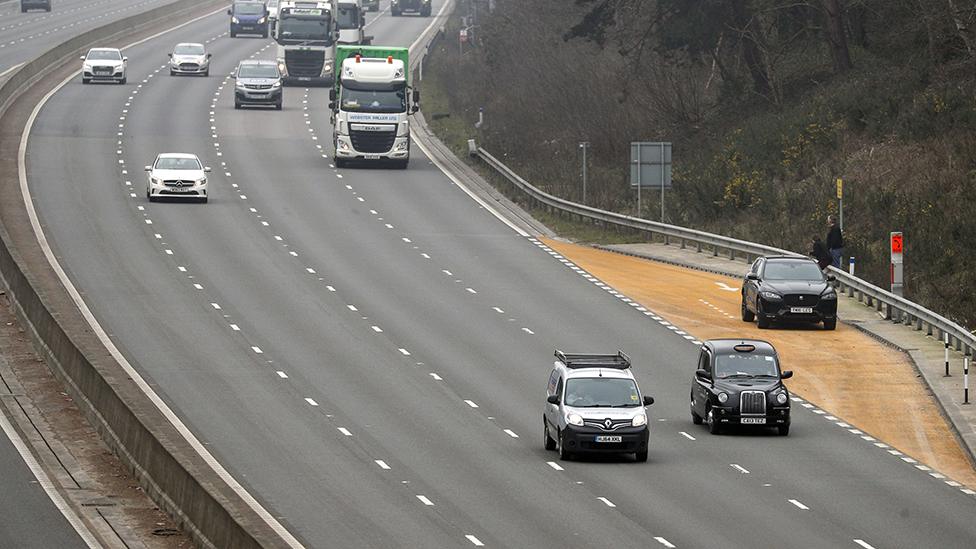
(618, 361)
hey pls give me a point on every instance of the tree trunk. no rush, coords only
(751, 53)
(836, 38)
(961, 27)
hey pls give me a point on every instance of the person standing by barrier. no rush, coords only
(835, 241)
(819, 252)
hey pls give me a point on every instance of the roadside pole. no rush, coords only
(584, 145)
(945, 338)
(965, 381)
(639, 184)
(897, 263)
(840, 203)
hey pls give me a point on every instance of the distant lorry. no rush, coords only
(35, 5)
(397, 7)
(371, 5)
(248, 17)
(352, 22)
(306, 33)
(371, 103)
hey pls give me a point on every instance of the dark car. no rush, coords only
(739, 382)
(791, 289)
(248, 17)
(35, 5)
(371, 5)
(258, 83)
(422, 7)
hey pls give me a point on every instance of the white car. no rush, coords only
(176, 175)
(189, 58)
(103, 64)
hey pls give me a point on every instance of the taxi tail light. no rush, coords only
(389, 59)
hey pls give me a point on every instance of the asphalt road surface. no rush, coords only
(30, 518)
(366, 349)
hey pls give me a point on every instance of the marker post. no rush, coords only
(945, 337)
(965, 381)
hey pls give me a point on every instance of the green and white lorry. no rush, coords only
(371, 103)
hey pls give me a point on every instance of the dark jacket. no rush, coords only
(835, 240)
(820, 253)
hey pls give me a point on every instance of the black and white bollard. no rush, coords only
(946, 338)
(965, 380)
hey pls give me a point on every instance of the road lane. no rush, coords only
(387, 270)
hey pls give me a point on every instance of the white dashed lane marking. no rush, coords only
(799, 505)
(607, 502)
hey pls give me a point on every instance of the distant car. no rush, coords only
(739, 382)
(793, 289)
(103, 65)
(593, 405)
(189, 58)
(258, 83)
(176, 175)
(371, 5)
(397, 7)
(35, 5)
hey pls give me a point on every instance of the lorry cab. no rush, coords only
(351, 18)
(371, 103)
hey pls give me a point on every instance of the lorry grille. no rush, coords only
(372, 142)
(752, 403)
(304, 62)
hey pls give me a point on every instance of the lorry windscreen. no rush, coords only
(348, 17)
(374, 101)
(296, 28)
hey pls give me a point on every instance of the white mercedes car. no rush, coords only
(103, 64)
(176, 175)
(189, 58)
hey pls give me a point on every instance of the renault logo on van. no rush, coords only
(607, 423)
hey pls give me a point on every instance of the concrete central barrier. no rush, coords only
(181, 480)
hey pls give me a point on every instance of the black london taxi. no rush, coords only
(739, 382)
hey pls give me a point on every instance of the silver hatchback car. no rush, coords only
(189, 58)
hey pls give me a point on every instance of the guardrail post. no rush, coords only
(699, 246)
(682, 244)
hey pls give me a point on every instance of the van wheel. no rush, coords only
(641, 457)
(564, 455)
(713, 426)
(549, 444)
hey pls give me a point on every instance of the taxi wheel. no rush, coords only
(784, 430)
(713, 426)
(641, 456)
(564, 455)
(549, 443)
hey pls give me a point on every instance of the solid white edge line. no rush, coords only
(11, 69)
(435, 21)
(100, 332)
(47, 484)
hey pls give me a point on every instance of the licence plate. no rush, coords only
(753, 421)
(609, 438)
(305, 78)
(371, 156)
(801, 310)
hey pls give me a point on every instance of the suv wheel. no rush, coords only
(713, 426)
(747, 315)
(549, 444)
(830, 324)
(564, 455)
(763, 321)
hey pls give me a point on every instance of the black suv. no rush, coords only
(738, 382)
(397, 7)
(788, 288)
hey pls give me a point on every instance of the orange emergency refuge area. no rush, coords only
(842, 371)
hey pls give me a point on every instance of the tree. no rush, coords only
(836, 38)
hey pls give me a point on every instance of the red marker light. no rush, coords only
(358, 57)
(389, 59)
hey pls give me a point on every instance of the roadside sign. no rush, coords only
(650, 165)
(897, 266)
(897, 245)
(840, 189)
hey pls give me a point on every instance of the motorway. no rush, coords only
(31, 519)
(366, 350)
